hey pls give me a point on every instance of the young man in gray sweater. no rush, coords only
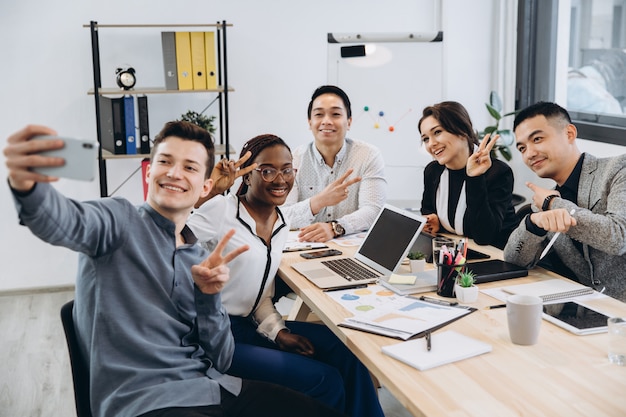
(148, 311)
(586, 207)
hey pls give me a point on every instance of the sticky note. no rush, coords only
(402, 279)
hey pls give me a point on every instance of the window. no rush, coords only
(595, 80)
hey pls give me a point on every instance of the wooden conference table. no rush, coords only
(562, 375)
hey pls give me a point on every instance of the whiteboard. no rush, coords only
(388, 89)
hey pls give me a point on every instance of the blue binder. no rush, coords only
(129, 123)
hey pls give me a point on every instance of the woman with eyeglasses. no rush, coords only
(304, 356)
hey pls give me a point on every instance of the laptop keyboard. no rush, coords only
(350, 269)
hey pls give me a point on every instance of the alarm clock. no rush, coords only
(125, 77)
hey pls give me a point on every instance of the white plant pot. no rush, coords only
(417, 265)
(466, 295)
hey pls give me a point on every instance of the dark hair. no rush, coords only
(453, 118)
(187, 131)
(330, 89)
(551, 111)
(256, 145)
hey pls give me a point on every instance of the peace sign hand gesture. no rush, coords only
(224, 174)
(480, 161)
(334, 193)
(212, 273)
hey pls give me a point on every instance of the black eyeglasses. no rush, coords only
(269, 174)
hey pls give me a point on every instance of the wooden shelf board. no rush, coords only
(169, 25)
(152, 90)
(220, 149)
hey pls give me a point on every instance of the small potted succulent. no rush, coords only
(464, 288)
(417, 260)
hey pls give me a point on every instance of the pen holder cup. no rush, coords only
(446, 277)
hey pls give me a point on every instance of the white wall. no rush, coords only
(277, 57)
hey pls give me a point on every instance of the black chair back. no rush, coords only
(80, 371)
(523, 211)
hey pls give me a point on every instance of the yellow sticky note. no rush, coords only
(402, 279)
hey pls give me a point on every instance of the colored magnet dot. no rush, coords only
(391, 128)
(366, 108)
(376, 125)
(381, 113)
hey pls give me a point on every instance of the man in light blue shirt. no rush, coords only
(324, 203)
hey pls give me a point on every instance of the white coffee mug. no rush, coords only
(524, 318)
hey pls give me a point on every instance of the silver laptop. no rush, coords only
(386, 244)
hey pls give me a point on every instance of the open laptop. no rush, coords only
(386, 244)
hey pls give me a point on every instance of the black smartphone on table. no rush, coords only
(321, 253)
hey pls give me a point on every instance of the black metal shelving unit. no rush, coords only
(221, 91)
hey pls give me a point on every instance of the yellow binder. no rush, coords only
(211, 61)
(183, 61)
(198, 64)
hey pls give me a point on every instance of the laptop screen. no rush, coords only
(390, 238)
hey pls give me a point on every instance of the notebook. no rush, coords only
(495, 270)
(446, 347)
(551, 289)
(294, 245)
(384, 247)
(425, 281)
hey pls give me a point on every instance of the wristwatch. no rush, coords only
(338, 229)
(546, 203)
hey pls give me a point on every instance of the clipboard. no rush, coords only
(408, 318)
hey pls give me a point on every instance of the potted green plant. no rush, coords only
(417, 260)
(507, 138)
(464, 288)
(205, 122)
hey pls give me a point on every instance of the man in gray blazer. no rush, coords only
(587, 207)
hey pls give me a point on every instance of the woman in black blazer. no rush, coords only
(466, 192)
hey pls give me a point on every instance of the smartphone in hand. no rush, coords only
(81, 156)
(321, 253)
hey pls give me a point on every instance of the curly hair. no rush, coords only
(255, 146)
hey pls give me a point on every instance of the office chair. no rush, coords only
(522, 212)
(517, 199)
(80, 372)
